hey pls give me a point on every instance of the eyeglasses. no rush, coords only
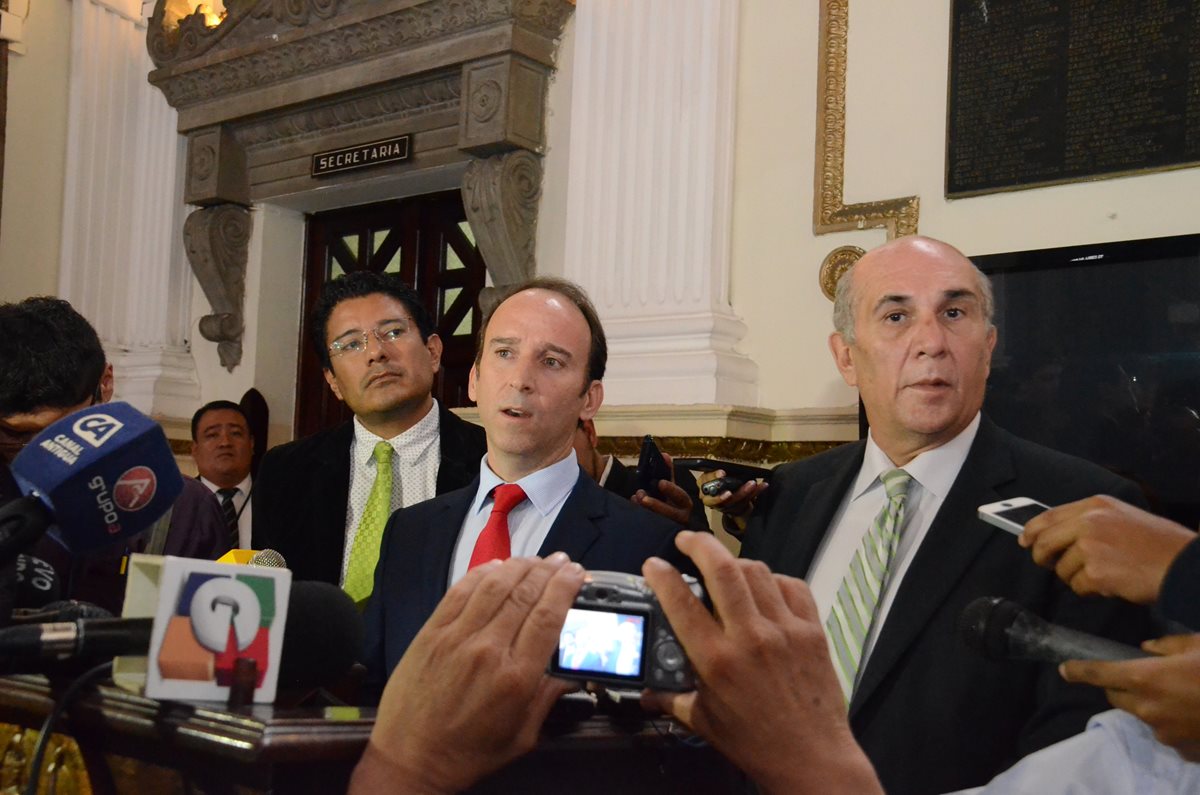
(354, 343)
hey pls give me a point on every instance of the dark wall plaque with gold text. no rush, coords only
(1044, 92)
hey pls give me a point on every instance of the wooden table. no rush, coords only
(124, 743)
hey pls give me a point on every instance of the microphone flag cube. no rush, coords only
(209, 615)
(105, 472)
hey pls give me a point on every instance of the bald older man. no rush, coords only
(885, 531)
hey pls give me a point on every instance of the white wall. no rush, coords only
(896, 117)
(35, 153)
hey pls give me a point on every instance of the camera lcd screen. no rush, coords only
(602, 642)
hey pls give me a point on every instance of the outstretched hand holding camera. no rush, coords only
(471, 693)
(766, 696)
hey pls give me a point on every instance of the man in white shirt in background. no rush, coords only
(223, 447)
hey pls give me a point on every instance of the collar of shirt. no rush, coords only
(408, 446)
(933, 471)
(243, 487)
(545, 489)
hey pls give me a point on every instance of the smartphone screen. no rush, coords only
(1021, 514)
(602, 642)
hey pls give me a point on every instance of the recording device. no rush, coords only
(736, 475)
(1004, 630)
(1011, 514)
(651, 468)
(93, 477)
(616, 634)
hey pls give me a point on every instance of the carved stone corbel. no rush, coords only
(217, 242)
(501, 195)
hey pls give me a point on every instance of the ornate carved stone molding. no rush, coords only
(216, 240)
(501, 195)
(363, 31)
(831, 214)
(279, 81)
(437, 93)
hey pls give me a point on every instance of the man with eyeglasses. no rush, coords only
(322, 501)
(51, 365)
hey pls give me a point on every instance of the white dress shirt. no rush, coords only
(241, 506)
(529, 523)
(933, 474)
(415, 462)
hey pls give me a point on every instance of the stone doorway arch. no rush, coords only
(279, 81)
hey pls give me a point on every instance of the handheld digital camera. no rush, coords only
(616, 634)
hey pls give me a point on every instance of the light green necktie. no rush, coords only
(360, 573)
(857, 601)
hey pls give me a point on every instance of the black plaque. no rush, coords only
(388, 150)
(1046, 91)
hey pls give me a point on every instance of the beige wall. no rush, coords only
(896, 116)
(35, 153)
(895, 147)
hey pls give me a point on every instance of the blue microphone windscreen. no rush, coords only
(105, 472)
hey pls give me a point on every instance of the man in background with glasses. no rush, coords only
(323, 501)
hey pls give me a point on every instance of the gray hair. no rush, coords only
(844, 300)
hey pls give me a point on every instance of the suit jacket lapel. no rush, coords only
(443, 528)
(329, 490)
(810, 525)
(575, 529)
(943, 557)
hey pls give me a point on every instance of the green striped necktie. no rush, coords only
(857, 601)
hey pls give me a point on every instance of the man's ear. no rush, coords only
(107, 383)
(843, 357)
(333, 384)
(434, 346)
(592, 398)
(471, 383)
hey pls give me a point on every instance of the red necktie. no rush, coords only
(494, 543)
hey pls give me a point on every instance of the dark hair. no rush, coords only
(216, 405)
(598, 353)
(50, 356)
(358, 285)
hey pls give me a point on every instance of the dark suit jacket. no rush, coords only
(301, 489)
(933, 715)
(622, 481)
(595, 527)
(1179, 599)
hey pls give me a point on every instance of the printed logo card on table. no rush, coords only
(208, 615)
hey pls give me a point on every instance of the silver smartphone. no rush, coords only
(1011, 514)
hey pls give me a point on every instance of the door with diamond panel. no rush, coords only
(425, 239)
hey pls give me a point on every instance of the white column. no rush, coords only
(649, 207)
(123, 265)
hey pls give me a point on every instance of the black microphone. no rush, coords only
(1001, 629)
(91, 638)
(323, 637)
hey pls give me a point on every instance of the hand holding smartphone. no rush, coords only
(652, 467)
(1011, 514)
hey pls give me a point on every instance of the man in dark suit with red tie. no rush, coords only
(538, 370)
